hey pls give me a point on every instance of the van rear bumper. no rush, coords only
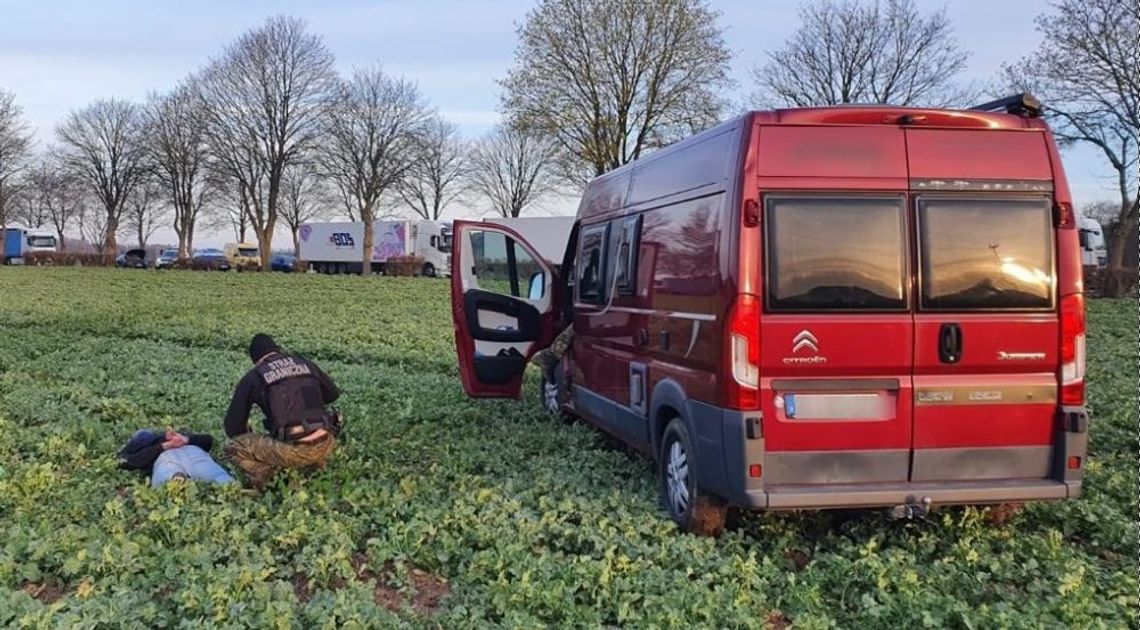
(891, 494)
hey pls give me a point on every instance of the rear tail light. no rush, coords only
(1073, 350)
(755, 471)
(1074, 462)
(744, 353)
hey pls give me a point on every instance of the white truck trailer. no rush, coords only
(1094, 253)
(337, 247)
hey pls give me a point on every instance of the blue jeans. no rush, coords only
(190, 461)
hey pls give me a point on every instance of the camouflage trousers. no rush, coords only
(260, 457)
(549, 357)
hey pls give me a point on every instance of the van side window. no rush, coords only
(505, 267)
(591, 264)
(629, 246)
(835, 254)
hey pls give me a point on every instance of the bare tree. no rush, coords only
(57, 192)
(513, 168)
(25, 204)
(303, 199)
(92, 221)
(609, 80)
(371, 135)
(103, 147)
(15, 144)
(262, 102)
(437, 176)
(178, 156)
(854, 52)
(1087, 74)
(146, 211)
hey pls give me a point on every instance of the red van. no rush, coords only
(811, 308)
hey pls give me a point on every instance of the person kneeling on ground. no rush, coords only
(166, 455)
(292, 393)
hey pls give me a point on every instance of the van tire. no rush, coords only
(428, 270)
(693, 510)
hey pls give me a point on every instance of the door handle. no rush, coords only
(950, 343)
(642, 337)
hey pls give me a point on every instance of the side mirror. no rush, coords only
(537, 286)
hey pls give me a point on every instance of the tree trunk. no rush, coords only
(1117, 281)
(142, 234)
(366, 268)
(110, 242)
(296, 241)
(62, 241)
(265, 246)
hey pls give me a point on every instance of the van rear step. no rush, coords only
(892, 495)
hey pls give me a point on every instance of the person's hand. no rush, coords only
(174, 440)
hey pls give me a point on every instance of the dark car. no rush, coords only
(132, 258)
(283, 262)
(209, 260)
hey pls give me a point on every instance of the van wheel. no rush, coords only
(692, 509)
(428, 270)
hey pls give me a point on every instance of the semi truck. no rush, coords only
(337, 247)
(18, 242)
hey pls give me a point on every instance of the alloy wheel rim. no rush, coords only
(677, 477)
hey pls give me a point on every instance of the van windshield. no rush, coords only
(985, 254)
(248, 252)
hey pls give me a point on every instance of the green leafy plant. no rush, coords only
(440, 511)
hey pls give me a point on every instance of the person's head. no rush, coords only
(262, 346)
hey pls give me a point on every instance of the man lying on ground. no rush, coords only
(166, 455)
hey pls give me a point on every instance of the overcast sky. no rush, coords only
(61, 55)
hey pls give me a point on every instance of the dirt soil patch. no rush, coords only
(47, 592)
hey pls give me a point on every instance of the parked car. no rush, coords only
(133, 258)
(166, 259)
(283, 262)
(210, 260)
(837, 307)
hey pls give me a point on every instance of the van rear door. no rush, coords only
(838, 338)
(503, 306)
(986, 325)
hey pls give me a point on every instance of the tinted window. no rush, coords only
(626, 263)
(831, 254)
(248, 252)
(986, 254)
(503, 266)
(591, 264)
(41, 241)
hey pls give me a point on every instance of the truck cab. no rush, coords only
(1094, 252)
(243, 256)
(18, 242)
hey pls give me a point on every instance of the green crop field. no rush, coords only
(439, 511)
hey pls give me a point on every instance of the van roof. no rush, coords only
(615, 188)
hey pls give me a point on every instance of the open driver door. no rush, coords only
(503, 304)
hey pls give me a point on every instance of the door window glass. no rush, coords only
(505, 267)
(591, 265)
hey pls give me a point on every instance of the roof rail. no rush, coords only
(1024, 105)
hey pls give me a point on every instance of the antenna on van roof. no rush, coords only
(1024, 105)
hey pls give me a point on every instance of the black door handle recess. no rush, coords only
(950, 343)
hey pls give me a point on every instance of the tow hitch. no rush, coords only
(911, 511)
